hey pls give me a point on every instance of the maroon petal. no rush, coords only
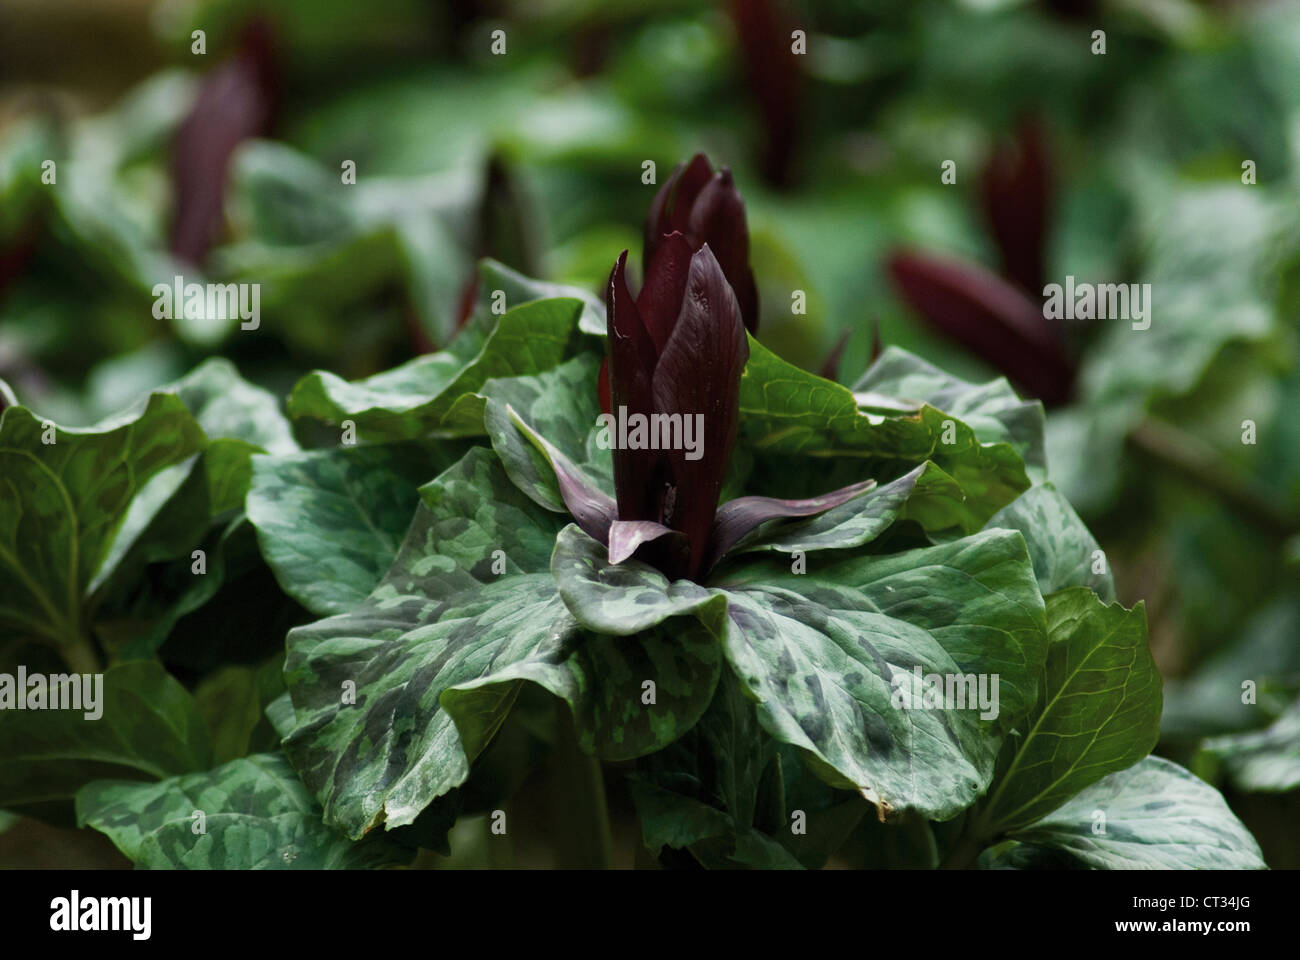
(602, 386)
(671, 206)
(660, 299)
(699, 374)
(735, 518)
(631, 364)
(989, 317)
(718, 219)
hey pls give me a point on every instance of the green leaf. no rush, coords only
(329, 522)
(421, 396)
(1158, 816)
(788, 412)
(1062, 548)
(993, 410)
(438, 651)
(149, 728)
(227, 405)
(625, 598)
(1266, 760)
(830, 655)
(1100, 710)
(719, 792)
(520, 289)
(560, 405)
(233, 702)
(256, 815)
(62, 503)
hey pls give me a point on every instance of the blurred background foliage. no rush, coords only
(1124, 167)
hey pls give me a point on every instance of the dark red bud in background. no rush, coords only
(990, 317)
(236, 101)
(1015, 194)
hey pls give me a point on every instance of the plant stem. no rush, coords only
(1197, 462)
(584, 839)
(80, 655)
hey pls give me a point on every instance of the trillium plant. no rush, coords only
(615, 542)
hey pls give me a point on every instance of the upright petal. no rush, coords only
(671, 206)
(660, 299)
(718, 218)
(698, 377)
(632, 355)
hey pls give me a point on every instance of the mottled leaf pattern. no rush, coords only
(1158, 816)
(438, 650)
(1065, 554)
(623, 598)
(820, 653)
(787, 412)
(330, 521)
(257, 815)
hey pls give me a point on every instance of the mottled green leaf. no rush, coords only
(1064, 552)
(1157, 816)
(898, 379)
(227, 405)
(330, 521)
(1266, 760)
(149, 728)
(62, 503)
(789, 412)
(421, 396)
(467, 613)
(256, 815)
(623, 598)
(830, 657)
(1099, 713)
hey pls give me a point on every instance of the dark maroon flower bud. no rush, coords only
(676, 355)
(706, 208)
(990, 317)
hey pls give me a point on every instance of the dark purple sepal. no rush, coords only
(738, 517)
